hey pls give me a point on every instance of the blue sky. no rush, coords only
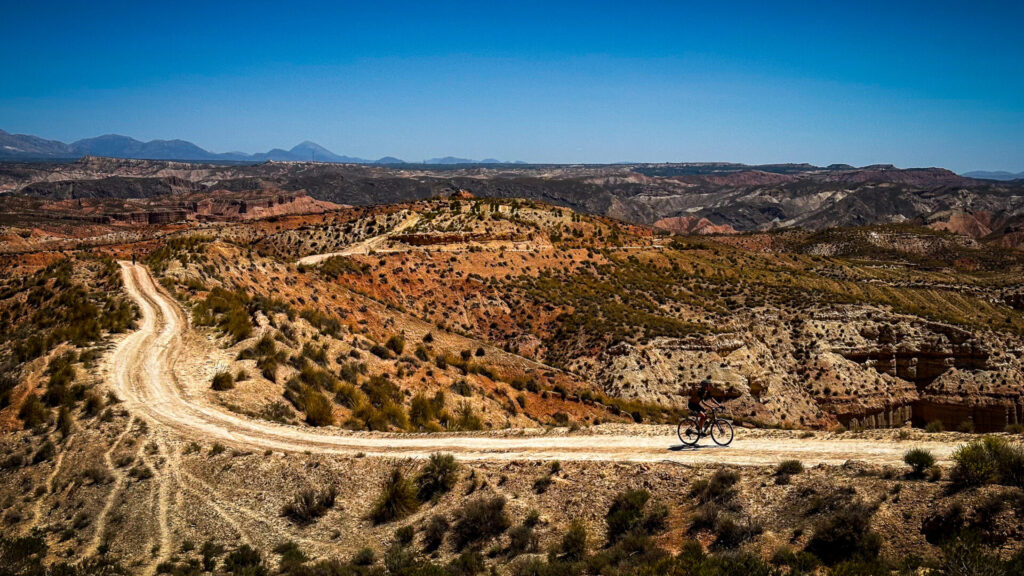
(913, 83)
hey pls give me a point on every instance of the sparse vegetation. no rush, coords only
(396, 500)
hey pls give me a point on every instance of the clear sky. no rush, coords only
(910, 83)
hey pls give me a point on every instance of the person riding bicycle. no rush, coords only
(701, 401)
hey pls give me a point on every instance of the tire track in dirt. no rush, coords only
(145, 365)
(115, 490)
(37, 508)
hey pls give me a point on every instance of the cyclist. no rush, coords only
(701, 401)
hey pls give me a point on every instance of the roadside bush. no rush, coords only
(789, 467)
(318, 409)
(919, 460)
(629, 514)
(845, 534)
(437, 477)
(719, 488)
(466, 418)
(309, 505)
(982, 461)
(479, 519)
(396, 501)
(223, 381)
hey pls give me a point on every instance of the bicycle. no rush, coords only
(719, 429)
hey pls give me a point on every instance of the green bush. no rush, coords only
(973, 465)
(437, 477)
(479, 519)
(934, 426)
(396, 501)
(919, 460)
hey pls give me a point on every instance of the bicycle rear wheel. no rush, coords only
(688, 431)
(721, 432)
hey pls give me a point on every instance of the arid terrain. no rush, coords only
(303, 368)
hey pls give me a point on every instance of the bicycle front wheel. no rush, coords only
(688, 431)
(721, 432)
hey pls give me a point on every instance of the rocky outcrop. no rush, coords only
(982, 401)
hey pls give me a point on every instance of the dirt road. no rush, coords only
(147, 369)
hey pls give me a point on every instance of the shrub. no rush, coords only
(934, 426)
(404, 535)
(244, 560)
(396, 501)
(466, 418)
(437, 477)
(845, 534)
(223, 381)
(1008, 458)
(719, 488)
(733, 531)
(45, 453)
(433, 533)
(364, 557)
(309, 505)
(396, 344)
(789, 467)
(521, 539)
(919, 460)
(629, 514)
(973, 466)
(541, 485)
(33, 413)
(574, 541)
(380, 351)
(479, 519)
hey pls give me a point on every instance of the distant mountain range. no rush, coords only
(997, 175)
(27, 147)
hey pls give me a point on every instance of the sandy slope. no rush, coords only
(148, 365)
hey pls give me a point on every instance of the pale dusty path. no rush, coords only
(143, 372)
(365, 246)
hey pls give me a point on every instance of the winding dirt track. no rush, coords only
(145, 364)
